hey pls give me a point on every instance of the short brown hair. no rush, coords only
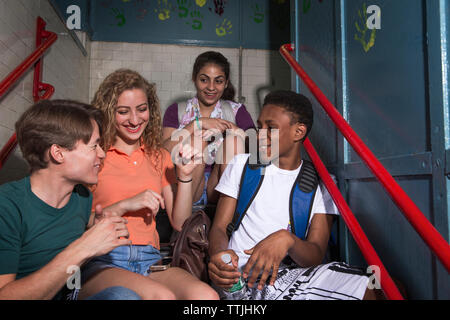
(60, 122)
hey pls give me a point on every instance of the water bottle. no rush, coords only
(237, 291)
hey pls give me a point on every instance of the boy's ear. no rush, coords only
(56, 153)
(300, 131)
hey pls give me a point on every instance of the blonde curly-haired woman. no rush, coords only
(136, 179)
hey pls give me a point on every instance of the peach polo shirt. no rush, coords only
(123, 176)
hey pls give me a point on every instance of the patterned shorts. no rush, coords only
(332, 281)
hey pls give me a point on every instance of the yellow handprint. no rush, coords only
(361, 35)
(224, 29)
(163, 10)
(200, 3)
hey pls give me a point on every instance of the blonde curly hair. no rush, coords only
(106, 99)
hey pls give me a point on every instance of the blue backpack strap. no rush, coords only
(252, 179)
(301, 199)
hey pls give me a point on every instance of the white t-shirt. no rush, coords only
(269, 211)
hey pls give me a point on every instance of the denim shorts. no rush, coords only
(203, 201)
(133, 258)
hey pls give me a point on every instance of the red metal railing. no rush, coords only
(426, 230)
(368, 252)
(38, 86)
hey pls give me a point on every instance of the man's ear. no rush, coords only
(56, 153)
(300, 131)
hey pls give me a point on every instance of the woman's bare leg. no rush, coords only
(145, 287)
(184, 285)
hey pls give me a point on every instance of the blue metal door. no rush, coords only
(384, 64)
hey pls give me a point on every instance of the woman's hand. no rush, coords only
(147, 199)
(186, 159)
(214, 124)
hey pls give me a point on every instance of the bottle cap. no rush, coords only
(226, 258)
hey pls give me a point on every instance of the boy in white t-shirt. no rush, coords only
(263, 240)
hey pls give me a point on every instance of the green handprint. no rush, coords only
(224, 28)
(258, 13)
(362, 31)
(196, 22)
(183, 8)
(119, 15)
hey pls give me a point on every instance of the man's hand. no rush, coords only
(107, 234)
(100, 214)
(266, 257)
(222, 274)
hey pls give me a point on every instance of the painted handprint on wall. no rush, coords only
(141, 7)
(183, 8)
(196, 22)
(120, 17)
(258, 13)
(224, 28)
(362, 29)
(163, 10)
(200, 3)
(219, 7)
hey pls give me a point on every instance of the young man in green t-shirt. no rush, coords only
(44, 217)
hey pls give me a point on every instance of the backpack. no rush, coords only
(300, 200)
(227, 111)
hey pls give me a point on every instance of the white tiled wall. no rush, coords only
(77, 77)
(65, 67)
(170, 67)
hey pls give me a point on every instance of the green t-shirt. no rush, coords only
(32, 233)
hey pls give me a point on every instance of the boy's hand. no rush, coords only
(266, 257)
(220, 273)
(107, 234)
(101, 213)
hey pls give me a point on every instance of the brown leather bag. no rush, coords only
(190, 249)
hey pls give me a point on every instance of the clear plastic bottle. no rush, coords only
(237, 291)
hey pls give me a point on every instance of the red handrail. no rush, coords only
(18, 72)
(38, 85)
(385, 280)
(8, 149)
(426, 230)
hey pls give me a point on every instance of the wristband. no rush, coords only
(183, 181)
